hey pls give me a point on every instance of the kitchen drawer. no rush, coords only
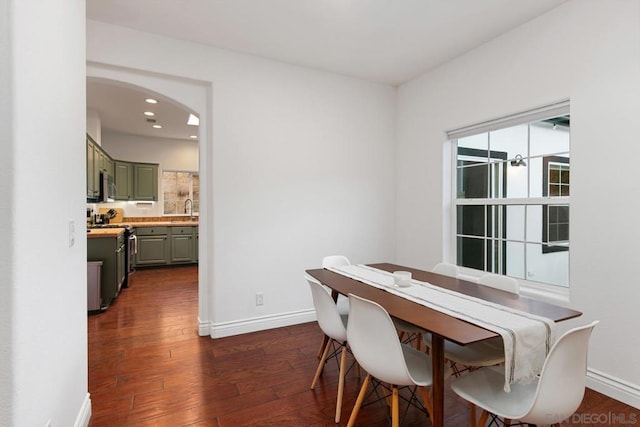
(151, 231)
(181, 230)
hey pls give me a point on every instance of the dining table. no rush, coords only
(441, 326)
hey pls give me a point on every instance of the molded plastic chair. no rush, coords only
(485, 353)
(338, 261)
(503, 283)
(375, 345)
(551, 398)
(333, 324)
(446, 269)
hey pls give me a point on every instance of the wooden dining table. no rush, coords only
(442, 326)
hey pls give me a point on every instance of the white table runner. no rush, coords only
(527, 338)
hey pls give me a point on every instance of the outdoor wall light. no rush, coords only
(518, 161)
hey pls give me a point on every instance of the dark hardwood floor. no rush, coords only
(149, 367)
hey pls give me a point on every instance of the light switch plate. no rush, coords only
(72, 232)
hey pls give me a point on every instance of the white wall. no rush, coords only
(94, 126)
(43, 361)
(588, 51)
(301, 166)
(170, 154)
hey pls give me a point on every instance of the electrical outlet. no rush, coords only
(259, 298)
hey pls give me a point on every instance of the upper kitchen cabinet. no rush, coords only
(97, 161)
(136, 181)
(93, 188)
(145, 181)
(123, 180)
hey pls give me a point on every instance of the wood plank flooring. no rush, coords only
(149, 367)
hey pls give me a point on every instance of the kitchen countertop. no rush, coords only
(115, 232)
(161, 224)
(94, 233)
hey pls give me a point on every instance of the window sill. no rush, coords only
(552, 294)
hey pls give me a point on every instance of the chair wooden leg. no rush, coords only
(358, 404)
(323, 344)
(427, 403)
(483, 419)
(472, 415)
(321, 364)
(343, 365)
(507, 422)
(419, 342)
(395, 407)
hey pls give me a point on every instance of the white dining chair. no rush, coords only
(342, 301)
(551, 398)
(446, 269)
(484, 353)
(375, 345)
(498, 281)
(333, 325)
(338, 261)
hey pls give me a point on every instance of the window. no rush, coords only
(511, 204)
(555, 218)
(178, 188)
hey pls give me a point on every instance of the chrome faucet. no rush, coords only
(190, 208)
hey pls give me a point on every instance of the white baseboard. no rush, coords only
(82, 420)
(204, 327)
(238, 327)
(614, 387)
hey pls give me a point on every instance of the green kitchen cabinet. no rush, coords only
(145, 181)
(97, 161)
(153, 246)
(136, 181)
(111, 251)
(123, 179)
(182, 246)
(159, 246)
(93, 189)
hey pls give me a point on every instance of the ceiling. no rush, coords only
(121, 109)
(385, 41)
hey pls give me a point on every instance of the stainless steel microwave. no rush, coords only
(107, 187)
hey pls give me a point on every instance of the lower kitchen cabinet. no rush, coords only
(111, 251)
(182, 244)
(166, 245)
(153, 246)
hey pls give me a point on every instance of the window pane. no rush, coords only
(515, 259)
(195, 184)
(534, 223)
(472, 180)
(547, 140)
(512, 141)
(470, 253)
(471, 220)
(515, 222)
(550, 268)
(177, 188)
(478, 142)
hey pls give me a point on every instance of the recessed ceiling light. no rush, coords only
(194, 137)
(150, 101)
(193, 120)
(157, 126)
(149, 113)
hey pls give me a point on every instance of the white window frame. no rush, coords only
(549, 292)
